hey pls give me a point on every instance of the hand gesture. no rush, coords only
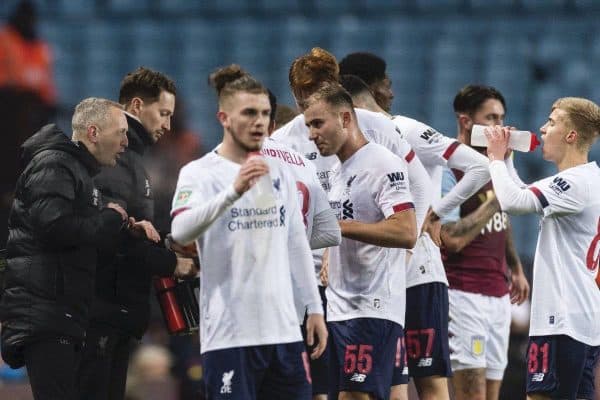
(185, 268)
(118, 209)
(315, 327)
(143, 230)
(252, 169)
(497, 137)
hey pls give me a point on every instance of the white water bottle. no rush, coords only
(263, 192)
(519, 140)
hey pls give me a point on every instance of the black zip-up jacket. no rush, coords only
(123, 283)
(56, 226)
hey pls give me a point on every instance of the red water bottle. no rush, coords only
(165, 292)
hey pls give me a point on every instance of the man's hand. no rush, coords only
(185, 268)
(324, 272)
(315, 326)
(433, 226)
(118, 209)
(143, 230)
(519, 287)
(252, 169)
(188, 251)
(497, 137)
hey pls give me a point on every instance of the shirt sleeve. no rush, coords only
(512, 198)
(420, 186)
(304, 282)
(393, 189)
(559, 195)
(325, 229)
(193, 209)
(448, 183)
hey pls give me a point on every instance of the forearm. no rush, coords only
(158, 261)
(512, 172)
(457, 235)
(326, 230)
(189, 224)
(100, 230)
(512, 198)
(420, 189)
(476, 174)
(391, 232)
(512, 257)
(304, 282)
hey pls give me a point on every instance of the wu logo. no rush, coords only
(562, 184)
(428, 134)
(227, 377)
(348, 212)
(396, 176)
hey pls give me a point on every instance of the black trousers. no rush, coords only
(103, 369)
(51, 365)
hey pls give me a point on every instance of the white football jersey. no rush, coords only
(311, 196)
(566, 299)
(368, 281)
(247, 290)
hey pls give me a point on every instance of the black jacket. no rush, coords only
(56, 225)
(124, 280)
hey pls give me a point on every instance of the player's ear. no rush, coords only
(346, 118)
(572, 136)
(222, 117)
(464, 121)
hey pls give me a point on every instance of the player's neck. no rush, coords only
(355, 141)
(232, 152)
(572, 159)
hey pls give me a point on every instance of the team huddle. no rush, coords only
(395, 304)
(348, 250)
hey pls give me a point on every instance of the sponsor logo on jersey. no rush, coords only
(431, 136)
(425, 362)
(348, 210)
(227, 377)
(397, 180)
(559, 185)
(477, 345)
(537, 377)
(377, 303)
(551, 320)
(277, 184)
(311, 156)
(356, 377)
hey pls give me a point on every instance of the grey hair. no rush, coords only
(91, 111)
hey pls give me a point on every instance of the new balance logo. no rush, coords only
(537, 377)
(227, 377)
(425, 362)
(348, 212)
(311, 156)
(396, 176)
(358, 377)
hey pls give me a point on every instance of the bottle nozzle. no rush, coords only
(534, 142)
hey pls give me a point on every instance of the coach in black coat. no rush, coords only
(121, 307)
(56, 225)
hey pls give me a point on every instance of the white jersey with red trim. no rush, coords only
(566, 299)
(368, 281)
(433, 149)
(255, 257)
(311, 196)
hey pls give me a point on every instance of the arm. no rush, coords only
(326, 230)
(189, 224)
(420, 187)
(457, 235)
(398, 230)
(512, 198)
(519, 287)
(476, 174)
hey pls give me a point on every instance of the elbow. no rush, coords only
(407, 241)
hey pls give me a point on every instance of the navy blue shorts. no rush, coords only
(319, 368)
(560, 367)
(362, 356)
(426, 330)
(278, 371)
(400, 375)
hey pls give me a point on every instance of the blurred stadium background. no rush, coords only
(533, 51)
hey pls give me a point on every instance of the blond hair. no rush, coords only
(92, 111)
(583, 116)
